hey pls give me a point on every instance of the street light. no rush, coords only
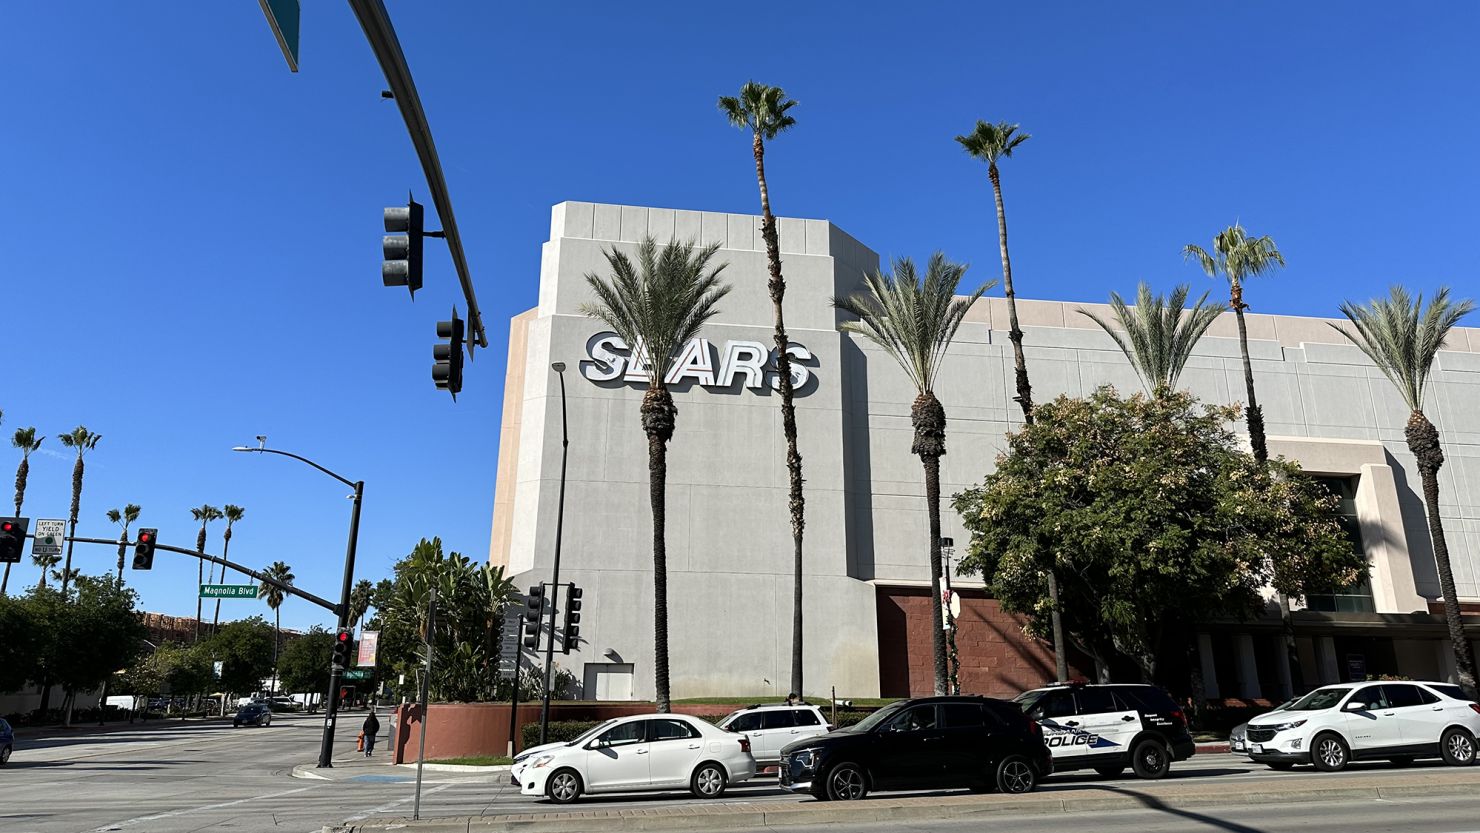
(559, 368)
(326, 747)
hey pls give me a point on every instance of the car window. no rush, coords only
(670, 729)
(778, 719)
(1053, 704)
(623, 734)
(745, 723)
(916, 719)
(1453, 691)
(962, 716)
(1096, 701)
(1401, 696)
(1146, 697)
(1372, 696)
(1321, 698)
(1426, 696)
(806, 717)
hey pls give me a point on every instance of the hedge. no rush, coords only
(560, 731)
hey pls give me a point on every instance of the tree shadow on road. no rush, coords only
(1151, 802)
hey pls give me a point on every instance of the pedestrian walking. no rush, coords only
(369, 730)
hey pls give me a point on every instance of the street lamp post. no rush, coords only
(326, 746)
(559, 368)
(948, 550)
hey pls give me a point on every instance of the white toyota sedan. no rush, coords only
(641, 753)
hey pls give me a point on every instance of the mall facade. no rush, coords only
(866, 588)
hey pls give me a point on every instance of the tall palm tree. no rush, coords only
(1157, 337)
(123, 518)
(1402, 338)
(275, 597)
(205, 514)
(232, 514)
(359, 600)
(762, 109)
(83, 441)
(26, 440)
(914, 322)
(1237, 256)
(656, 305)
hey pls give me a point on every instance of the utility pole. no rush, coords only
(426, 678)
(559, 368)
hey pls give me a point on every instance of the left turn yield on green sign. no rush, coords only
(228, 591)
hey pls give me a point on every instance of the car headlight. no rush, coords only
(543, 760)
(805, 759)
(1294, 724)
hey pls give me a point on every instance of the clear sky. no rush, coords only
(193, 233)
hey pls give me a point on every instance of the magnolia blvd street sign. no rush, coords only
(750, 363)
(228, 591)
(49, 536)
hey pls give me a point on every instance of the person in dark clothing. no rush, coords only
(369, 729)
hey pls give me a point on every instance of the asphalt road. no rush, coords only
(181, 778)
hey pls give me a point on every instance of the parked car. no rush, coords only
(280, 704)
(1395, 721)
(772, 727)
(926, 743)
(641, 753)
(257, 714)
(1237, 736)
(1109, 727)
(7, 741)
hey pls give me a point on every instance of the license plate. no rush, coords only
(1238, 746)
(1256, 748)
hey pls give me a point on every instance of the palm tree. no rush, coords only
(124, 518)
(84, 441)
(205, 514)
(359, 600)
(1160, 337)
(232, 514)
(46, 563)
(26, 440)
(275, 597)
(1237, 256)
(989, 142)
(1402, 338)
(762, 110)
(65, 576)
(915, 323)
(656, 305)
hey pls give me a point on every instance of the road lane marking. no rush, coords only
(119, 825)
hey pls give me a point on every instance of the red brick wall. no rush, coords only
(997, 659)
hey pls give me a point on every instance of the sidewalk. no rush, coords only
(1088, 798)
(378, 768)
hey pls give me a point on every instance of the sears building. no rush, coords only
(867, 576)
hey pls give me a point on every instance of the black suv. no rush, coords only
(926, 743)
(1110, 727)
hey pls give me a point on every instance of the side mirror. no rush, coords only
(1354, 706)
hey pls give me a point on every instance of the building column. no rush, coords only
(1209, 668)
(1281, 653)
(1326, 666)
(1248, 668)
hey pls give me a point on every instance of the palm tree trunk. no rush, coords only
(777, 285)
(277, 636)
(122, 544)
(216, 617)
(76, 506)
(929, 419)
(1423, 441)
(658, 417)
(200, 576)
(20, 495)
(1024, 396)
(1252, 413)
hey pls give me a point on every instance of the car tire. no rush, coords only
(1457, 746)
(846, 782)
(5, 756)
(708, 781)
(1015, 775)
(1329, 752)
(1110, 771)
(564, 786)
(1280, 766)
(1150, 760)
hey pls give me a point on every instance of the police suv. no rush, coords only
(1109, 727)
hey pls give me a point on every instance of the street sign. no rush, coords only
(508, 654)
(369, 642)
(228, 591)
(49, 535)
(357, 673)
(217, 667)
(282, 15)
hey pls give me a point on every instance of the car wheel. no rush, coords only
(1150, 760)
(708, 781)
(1329, 753)
(4, 756)
(1280, 766)
(564, 786)
(1110, 771)
(1015, 775)
(846, 782)
(1458, 747)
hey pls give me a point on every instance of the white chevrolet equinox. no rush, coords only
(1394, 721)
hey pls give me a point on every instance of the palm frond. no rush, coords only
(988, 142)
(1156, 336)
(1402, 338)
(759, 108)
(1236, 256)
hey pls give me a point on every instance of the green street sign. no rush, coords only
(228, 591)
(357, 673)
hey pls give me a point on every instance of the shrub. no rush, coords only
(559, 731)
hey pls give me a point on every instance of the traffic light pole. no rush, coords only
(326, 746)
(559, 368)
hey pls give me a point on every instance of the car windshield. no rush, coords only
(1028, 699)
(1321, 698)
(868, 723)
(731, 716)
(591, 732)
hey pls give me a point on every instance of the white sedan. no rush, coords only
(640, 753)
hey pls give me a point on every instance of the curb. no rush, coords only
(489, 770)
(895, 810)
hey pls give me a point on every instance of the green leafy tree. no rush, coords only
(245, 650)
(763, 110)
(914, 322)
(302, 665)
(275, 597)
(1237, 257)
(82, 441)
(123, 517)
(26, 440)
(1154, 520)
(232, 514)
(184, 668)
(1156, 335)
(88, 634)
(20, 648)
(656, 305)
(205, 514)
(1402, 338)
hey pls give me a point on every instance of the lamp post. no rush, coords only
(947, 550)
(559, 368)
(326, 746)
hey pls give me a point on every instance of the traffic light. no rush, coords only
(343, 641)
(447, 371)
(144, 549)
(402, 266)
(12, 539)
(571, 633)
(534, 606)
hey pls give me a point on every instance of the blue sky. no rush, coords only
(194, 231)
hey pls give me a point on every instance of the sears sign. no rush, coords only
(700, 361)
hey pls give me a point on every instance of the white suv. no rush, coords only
(1396, 721)
(772, 727)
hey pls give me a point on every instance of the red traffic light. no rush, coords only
(144, 536)
(343, 636)
(7, 526)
